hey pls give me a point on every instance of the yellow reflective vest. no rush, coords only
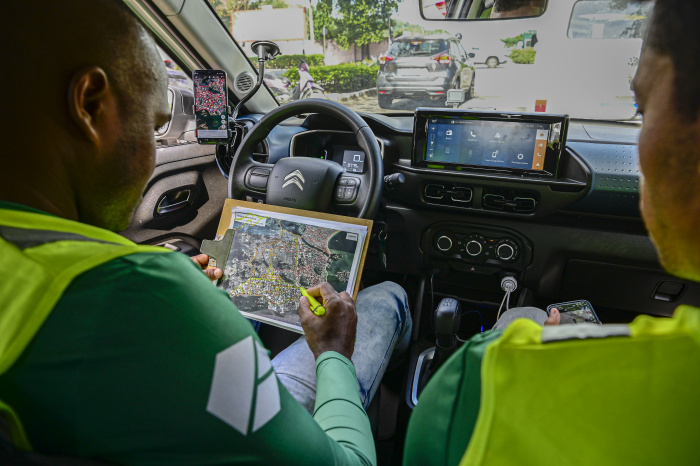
(40, 256)
(591, 395)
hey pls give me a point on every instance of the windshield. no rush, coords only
(381, 56)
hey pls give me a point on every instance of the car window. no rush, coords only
(178, 79)
(608, 19)
(416, 48)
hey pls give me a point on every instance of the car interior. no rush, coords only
(460, 238)
(570, 232)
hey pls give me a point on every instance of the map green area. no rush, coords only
(271, 257)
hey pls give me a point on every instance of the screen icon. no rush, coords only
(472, 133)
(498, 136)
(494, 154)
(520, 156)
(357, 158)
(448, 132)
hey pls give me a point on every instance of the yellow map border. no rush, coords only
(225, 221)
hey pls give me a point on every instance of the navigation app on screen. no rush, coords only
(210, 105)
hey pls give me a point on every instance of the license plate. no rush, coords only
(412, 72)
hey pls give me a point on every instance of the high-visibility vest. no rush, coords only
(591, 394)
(40, 255)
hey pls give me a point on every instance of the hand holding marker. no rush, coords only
(316, 307)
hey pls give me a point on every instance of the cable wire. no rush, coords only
(501, 306)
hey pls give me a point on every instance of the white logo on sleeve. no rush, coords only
(244, 391)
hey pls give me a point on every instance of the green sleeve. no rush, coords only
(124, 369)
(339, 410)
(443, 421)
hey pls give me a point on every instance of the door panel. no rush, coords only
(183, 199)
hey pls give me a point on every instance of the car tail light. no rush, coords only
(386, 59)
(442, 58)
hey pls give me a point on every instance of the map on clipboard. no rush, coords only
(268, 252)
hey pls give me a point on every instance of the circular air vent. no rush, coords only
(244, 82)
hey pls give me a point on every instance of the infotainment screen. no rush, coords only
(454, 139)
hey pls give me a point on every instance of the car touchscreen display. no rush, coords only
(488, 143)
(475, 140)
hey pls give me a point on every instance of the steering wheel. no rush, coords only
(309, 183)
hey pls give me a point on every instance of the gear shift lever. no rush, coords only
(447, 318)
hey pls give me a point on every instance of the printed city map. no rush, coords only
(272, 255)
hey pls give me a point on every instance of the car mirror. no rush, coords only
(468, 10)
(181, 116)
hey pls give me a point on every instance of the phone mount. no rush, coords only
(265, 50)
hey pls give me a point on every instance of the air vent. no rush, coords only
(506, 200)
(448, 194)
(224, 153)
(244, 82)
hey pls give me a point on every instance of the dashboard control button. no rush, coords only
(507, 250)
(444, 243)
(474, 247)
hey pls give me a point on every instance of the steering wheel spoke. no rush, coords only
(257, 177)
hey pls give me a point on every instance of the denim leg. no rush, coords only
(383, 328)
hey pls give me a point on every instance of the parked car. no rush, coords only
(491, 55)
(424, 67)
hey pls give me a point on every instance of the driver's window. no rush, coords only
(179, 83)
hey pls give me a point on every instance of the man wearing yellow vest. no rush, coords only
(587, 394)
(127, 353)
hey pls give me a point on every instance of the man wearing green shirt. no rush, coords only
(586, 394)
(127, 353)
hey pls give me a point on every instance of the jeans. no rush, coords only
(383, 328)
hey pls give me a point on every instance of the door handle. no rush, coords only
(174, 201)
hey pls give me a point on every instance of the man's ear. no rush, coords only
(90, 101)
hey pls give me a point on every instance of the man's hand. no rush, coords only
(202, 260)
(333, 331)
(554, 317)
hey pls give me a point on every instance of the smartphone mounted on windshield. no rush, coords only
(576, 312)
(211, 107)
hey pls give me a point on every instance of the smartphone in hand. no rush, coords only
(576, 312)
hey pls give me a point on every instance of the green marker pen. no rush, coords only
(315, 305)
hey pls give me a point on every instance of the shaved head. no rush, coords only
(57, 38)
(86, 89)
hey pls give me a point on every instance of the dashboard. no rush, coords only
(568, 229)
